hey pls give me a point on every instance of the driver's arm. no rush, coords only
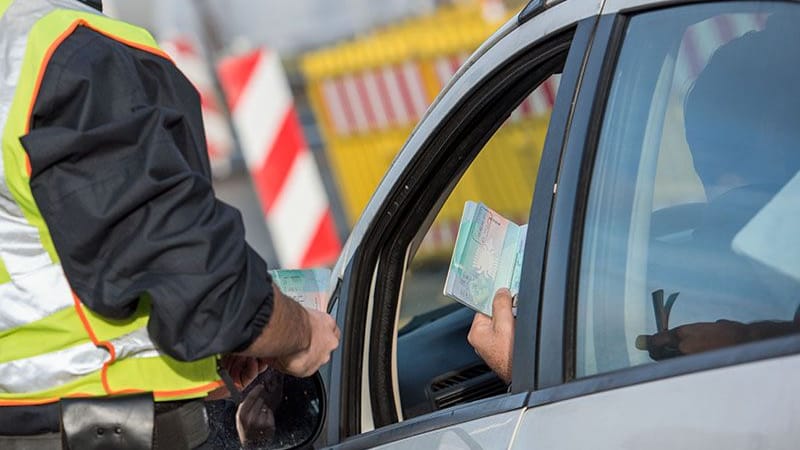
(704, 336)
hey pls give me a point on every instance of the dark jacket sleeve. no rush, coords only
(121, 176)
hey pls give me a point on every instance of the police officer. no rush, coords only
(122, 277)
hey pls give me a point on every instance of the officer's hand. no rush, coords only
(242, 369)
(696, 338)
(324, 339)
(493, 337)
(255, 420)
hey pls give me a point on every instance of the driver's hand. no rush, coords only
(325, 336)
(696, 338)
(493, 337)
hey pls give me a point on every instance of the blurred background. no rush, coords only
(306, 103)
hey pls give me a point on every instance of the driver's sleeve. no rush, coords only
(120, 173)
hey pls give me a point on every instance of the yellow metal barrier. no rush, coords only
(367, 95)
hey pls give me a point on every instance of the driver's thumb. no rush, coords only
(501, 305)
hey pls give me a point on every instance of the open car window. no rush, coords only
(436, 367)
(502, 177)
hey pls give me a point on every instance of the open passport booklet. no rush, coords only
(309, 287)
(487, 256)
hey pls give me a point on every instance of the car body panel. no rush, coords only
(718, 408)
(464, 415)
(493, 432)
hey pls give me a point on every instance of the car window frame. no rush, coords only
(525, 370)
(394, 256)
(366, 253)
(556, 380)
(397, 255)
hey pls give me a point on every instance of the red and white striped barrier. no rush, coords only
(284, 172)
(395, 96)
(218, 137)
(375, 99)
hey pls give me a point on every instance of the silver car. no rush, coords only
(659, 298)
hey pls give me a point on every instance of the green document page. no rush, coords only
(309, 287)
(487, 256)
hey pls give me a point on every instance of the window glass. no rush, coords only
(687, 244)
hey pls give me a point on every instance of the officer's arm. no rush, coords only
(120, 173)
(288, 330)
(296, 340)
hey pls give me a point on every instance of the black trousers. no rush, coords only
(52, 441)
(178, 425)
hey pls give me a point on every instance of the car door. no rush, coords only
(365, 407)
(669, 310)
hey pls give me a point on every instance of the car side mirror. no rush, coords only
(277, 412)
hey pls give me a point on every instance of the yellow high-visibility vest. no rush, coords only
(51, 346)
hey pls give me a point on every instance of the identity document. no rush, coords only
(487, 256)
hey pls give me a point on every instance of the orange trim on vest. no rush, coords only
(156, 394)
(41, 401)
(49, 54)
(108, 345)
(195, 390)
(104, 371)
(176, 393)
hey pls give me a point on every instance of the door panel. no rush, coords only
(413, 204)
(751, 406)
(661, 185)
(466, 114)
(493, 432)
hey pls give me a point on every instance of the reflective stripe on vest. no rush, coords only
(50, 345)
